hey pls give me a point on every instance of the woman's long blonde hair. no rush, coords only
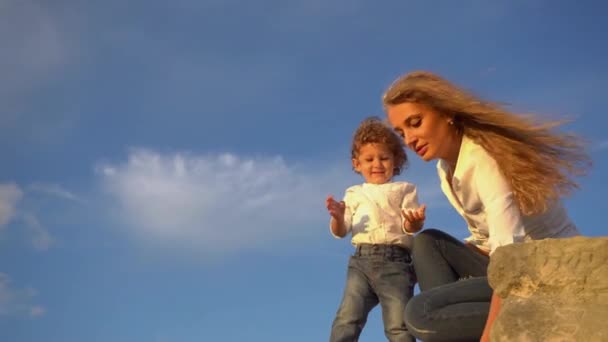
(538, 161)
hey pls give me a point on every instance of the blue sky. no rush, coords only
(165, 163)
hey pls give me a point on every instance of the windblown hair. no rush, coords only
(538, 161)
(374, 131)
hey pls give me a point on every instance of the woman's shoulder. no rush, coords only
(474, 156)
(471, 149)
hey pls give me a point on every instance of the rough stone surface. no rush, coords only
(551, 290)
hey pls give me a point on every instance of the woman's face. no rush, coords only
(425, 131)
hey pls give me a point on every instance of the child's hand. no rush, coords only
(336, 209)
(413, 219)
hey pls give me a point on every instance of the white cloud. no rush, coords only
(10, 195)
(218, 201)
(17, 301)
(222, 202)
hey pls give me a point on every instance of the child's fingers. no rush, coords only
(331, 202)
(420, 212)
(336, 208)
(408, 215)
(414, 216)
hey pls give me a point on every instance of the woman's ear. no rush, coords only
(450, 118)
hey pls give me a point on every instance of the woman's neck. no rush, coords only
(451, 157)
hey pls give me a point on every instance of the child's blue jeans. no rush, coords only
(376, 274)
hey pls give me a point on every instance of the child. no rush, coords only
(382, 216)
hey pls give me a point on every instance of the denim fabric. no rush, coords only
(376, 274)
(455, 295)
(451, 312)
(441, 259)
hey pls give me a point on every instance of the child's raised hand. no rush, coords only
(414, 215)
(413, 219)
(335, 208)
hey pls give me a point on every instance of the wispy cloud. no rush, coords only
(36, 46)
(11, 196)
(54, 190)
(17, 301)
(488, 71)
(602, 145)
(219, 202)
(39, 236)
(33, 45)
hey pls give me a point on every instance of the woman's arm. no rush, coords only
(503, 217)
(504, 220)
(495, 302)
(495, 305)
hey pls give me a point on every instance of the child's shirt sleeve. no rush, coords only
(410, 197)
(350, 207)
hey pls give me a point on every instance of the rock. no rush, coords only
(551, 290)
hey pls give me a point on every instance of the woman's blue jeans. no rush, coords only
(455, 295)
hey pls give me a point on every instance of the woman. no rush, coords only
(504, 173)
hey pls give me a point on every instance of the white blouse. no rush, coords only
(483, 197)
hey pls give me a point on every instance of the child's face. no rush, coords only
(375, 163)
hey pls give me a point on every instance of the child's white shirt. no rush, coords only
(373, 213)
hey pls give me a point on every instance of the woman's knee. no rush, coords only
(415, 318)
(427, 239)
(433, 234)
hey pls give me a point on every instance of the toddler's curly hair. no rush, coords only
(374, 131)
